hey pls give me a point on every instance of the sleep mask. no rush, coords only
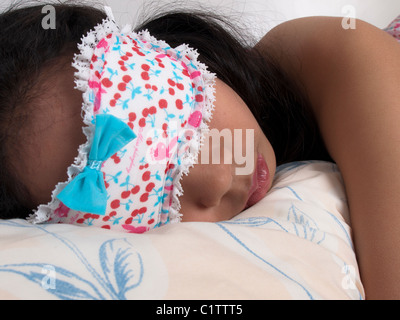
(145, 111)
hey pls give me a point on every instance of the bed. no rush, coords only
(294, 244)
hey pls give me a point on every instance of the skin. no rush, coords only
(351, 79)
(54, 131)
(212, 192)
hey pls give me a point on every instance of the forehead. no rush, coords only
(52, 134)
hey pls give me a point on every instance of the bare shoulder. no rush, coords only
(314, 51)
(313, 32)
(295, 36)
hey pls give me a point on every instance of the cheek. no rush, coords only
(230, 110)
(232, 116)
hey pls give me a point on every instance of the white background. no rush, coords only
(259, 15)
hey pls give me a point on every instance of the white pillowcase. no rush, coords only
(294, 244)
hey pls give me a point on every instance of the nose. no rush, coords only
(206, 184)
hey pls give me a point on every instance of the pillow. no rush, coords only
(294, 244)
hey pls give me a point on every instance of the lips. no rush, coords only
(260, 184)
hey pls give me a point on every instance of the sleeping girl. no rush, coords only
(106, 126)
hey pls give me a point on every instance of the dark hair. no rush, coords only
(27, 48)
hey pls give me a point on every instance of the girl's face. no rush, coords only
(212, 192)
(216, 192)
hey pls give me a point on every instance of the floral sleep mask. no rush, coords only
(146, 108)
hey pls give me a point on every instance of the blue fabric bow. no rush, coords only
(87, 192)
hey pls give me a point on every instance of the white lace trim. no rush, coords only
(189, 159)
(82, 62)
